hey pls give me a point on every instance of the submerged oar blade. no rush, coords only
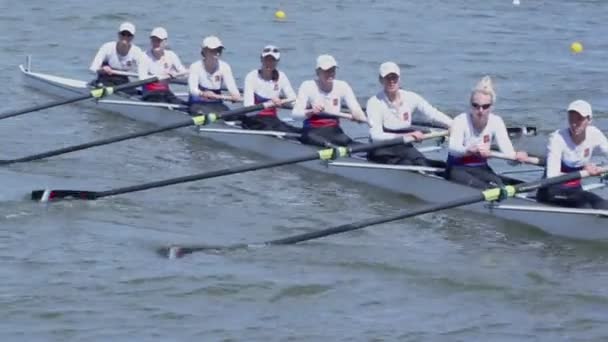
(51, 195)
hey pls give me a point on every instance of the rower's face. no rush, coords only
(269, 63)
(390, 83)
(326, 76)
(125, 37)
(578, 123)
(157, 43)
(212, 53)
(481, 105)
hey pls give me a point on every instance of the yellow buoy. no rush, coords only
(280, 15)
(576, 47)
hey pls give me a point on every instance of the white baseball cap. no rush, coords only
(212, 42)
(127, 26)
(271, 50)
(326, 62)
(581, 107)
(387, 68)
(159, 33)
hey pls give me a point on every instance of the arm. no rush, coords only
(456, 141)
(98, 60)
(431, 112)
(143, 67)
(230, 82)
(248, 97)
(375, 110)
(286, 88)
(353, 104)
(554, 155)
(193, 79)
(502, 138)
(299, 108)
(180, 69)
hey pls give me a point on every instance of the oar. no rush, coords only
(324, 154)
(530, 160)
(94, 93)
(193, 121)
(489, 195)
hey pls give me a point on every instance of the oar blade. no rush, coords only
(52, 195)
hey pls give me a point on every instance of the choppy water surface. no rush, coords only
(88, 270)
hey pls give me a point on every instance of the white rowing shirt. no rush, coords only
(258, 90)
(107, 55)
(463, 135)
(168, 64)
(388, 121)
(309, 94)
(200, 80)
(563, 155)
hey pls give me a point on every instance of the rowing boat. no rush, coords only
(585, 225)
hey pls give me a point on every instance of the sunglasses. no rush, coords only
(482, 106)
(125, 34)
(275, 50)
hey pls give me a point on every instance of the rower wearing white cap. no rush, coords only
(471, 136)
(390, 115)
(158, 61)
(267, 84)
(570, 149)
(115, 58)
(319, 102)
(207, 77)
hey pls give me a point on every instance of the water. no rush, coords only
(88, 270)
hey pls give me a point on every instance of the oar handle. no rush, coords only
(529, 160)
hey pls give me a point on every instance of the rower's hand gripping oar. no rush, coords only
(194, 121)
(324, 154)
(96, 93)
(490, 195)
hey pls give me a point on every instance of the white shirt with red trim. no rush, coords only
(107, 54)
(267, 89)
(309, 94)
(384, 117)
(463, 136)
(168, 63)
(563, 153)
(221, 76)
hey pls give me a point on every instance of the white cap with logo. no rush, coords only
(387, 68)
(581, 107)
(326, 62)
(127, 26)
(271, 50)
(212, 42)
(159, 33)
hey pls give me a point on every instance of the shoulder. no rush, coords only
(171, 54)
(377, 98)
(410, 95)
(594, 131)
(108, 46)
(558, 136)
(282, 75)
(196, 65)
(136, 49)
(462, 117)
(495, 119)
(308, 84)
(342, 85)
(224, 65)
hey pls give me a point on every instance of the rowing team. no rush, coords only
(389, 112)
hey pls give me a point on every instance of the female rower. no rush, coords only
(207, 77)
(158, 61)
(471, 137)
(320, 100)
(390, 115)
(114, 59)
(267, 84)
(570, 149)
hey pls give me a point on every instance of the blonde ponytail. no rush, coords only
(485, 86)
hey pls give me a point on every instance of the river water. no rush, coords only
(88, 270)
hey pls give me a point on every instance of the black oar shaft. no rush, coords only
(487, 195)
(238, 169)
(180, 124)
(93, 93)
